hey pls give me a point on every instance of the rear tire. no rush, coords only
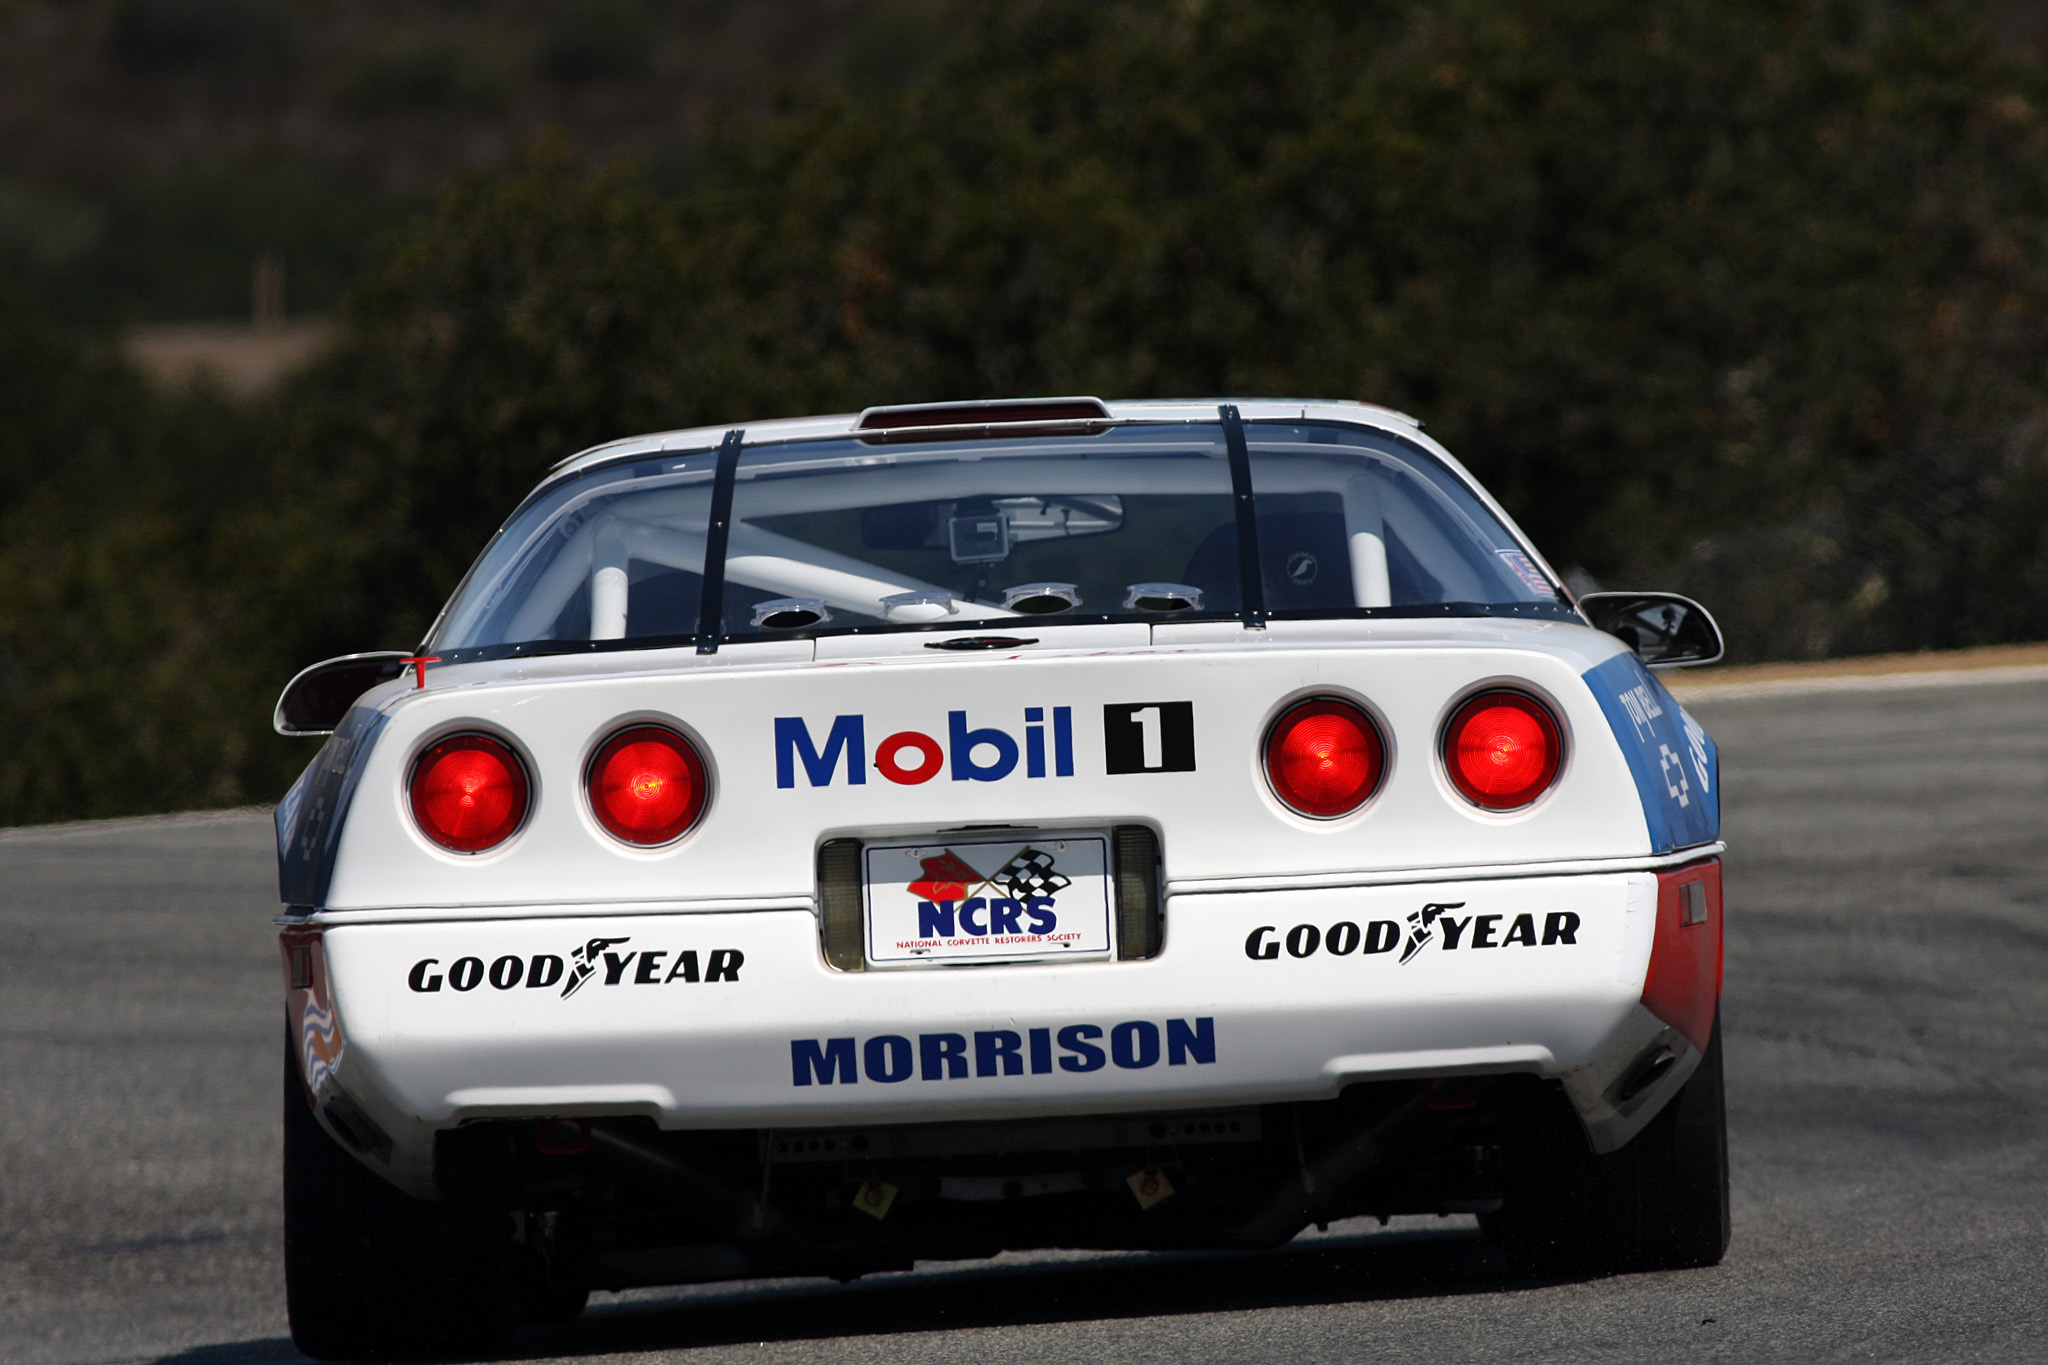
(1660, 1203)
(553, 1304)
(371, 1273)
(1681, 1173)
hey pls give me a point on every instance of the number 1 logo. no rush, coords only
(1148, 737)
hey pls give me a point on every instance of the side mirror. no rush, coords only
(314, 702)
(1664, 629)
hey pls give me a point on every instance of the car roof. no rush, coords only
(1149, 409)
(1356, 412)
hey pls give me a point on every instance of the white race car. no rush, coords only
(831, 844)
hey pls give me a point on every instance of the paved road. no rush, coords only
(1887, 1016)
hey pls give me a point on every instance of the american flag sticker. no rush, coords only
(1524, 568)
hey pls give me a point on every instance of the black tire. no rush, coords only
(543, 1296)
(551, 1304)
(1681, 1174)
(1545, 1221)
(1660, 1203)
(373, 1274)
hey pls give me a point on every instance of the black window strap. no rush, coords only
(1251, 582)
(711, 612)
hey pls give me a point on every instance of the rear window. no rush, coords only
(1135, 522)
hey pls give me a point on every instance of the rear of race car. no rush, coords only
(994, 828)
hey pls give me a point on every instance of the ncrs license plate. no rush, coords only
(935, 902)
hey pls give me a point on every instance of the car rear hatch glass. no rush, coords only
(1131, 522)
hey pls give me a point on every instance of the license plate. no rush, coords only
(1009, 900)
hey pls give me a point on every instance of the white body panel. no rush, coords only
(1221, 822)
(711, 1054)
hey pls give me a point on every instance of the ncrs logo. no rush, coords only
(1137, 737)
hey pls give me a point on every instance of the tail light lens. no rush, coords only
(1324, 758)
(1503, 750)
(469, 793)
(647, 785)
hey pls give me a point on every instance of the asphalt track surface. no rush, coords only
(1887, 1047)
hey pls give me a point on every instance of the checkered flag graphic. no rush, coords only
(1030, 874)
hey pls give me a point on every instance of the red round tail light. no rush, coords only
(647, 785)
(469, 793)
(1324, 758)
(1502, 750)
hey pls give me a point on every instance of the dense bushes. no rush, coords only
(1745, 299)
(1741, 298)
(139, 559)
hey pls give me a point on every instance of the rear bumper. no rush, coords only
(703, 1020)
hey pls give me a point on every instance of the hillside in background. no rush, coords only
(1741, 298)
(152, 150)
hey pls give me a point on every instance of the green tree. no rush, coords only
(1693, 286)
(135, 547)
(535, 315)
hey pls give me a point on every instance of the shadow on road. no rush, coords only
(1334, 1269)
(1321, 1270)
(270, 1351)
